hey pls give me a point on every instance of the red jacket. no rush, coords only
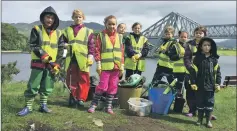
(98, 43)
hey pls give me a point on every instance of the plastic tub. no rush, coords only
(139, 106)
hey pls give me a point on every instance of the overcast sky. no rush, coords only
(147, 13)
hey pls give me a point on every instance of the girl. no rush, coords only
(110, 63)
(176, 55)
(79, 58)
(136, 49)
(206, 78)
(190, 50)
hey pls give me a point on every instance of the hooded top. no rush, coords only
(50, 10)
(213, 50)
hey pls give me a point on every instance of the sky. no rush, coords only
(129, 12)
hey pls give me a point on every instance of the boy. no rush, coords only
(47, 45)
(164, 65)
(205, 78)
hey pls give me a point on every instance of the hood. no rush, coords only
(50, 10)
(213, 46)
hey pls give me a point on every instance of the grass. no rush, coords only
(227, 52)
(64, 118)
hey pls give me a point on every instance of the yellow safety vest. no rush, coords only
(137, 47)
(179, 65)
(110, 54)
(193, 50)
(163, 59)
(48, 43)
(215, 70)
(79, 46)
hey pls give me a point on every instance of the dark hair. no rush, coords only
(201, 28)
(180, 32)
(135, 24)
(213, 50)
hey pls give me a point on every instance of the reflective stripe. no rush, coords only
(200, 108)
(164, 59)
(178, 64)
(78, 42)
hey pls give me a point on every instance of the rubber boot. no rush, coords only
(200, 117)
(71, 101)
(25, 111)
(109, 101)
(208, 119)
(94, 103)
(44, 108)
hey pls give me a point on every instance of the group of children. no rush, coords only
(114, 52)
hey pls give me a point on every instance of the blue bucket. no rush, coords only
(161, 102)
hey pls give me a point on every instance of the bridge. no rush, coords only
(156, 31)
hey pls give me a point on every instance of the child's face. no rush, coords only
(183, 37)
(136, 29)
(199, 34)
(111, 25)
(49, 20)
(206, 47)
(122, 29)
(78, 19)
(168, 35)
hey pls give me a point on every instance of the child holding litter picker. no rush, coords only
(79, 58)
(205, 78)
(109, 57)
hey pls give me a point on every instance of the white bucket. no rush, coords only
(139, 106)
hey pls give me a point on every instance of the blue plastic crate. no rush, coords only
(161, 102)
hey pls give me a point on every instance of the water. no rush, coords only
(227, 63)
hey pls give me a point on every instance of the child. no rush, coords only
(136, 49)
(206, 78)
(46, 44)
(121, 28)
(190, 50)
(79, 58)
(164, 65)
(176, 55)
(110, 63)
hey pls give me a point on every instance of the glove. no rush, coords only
(134, 59)
(194, 87)
(137, 56)
(56, 68)
(46, 58)
(217, 88)
(90, 60)
(121, 70)
(181, 54)
(98, 68)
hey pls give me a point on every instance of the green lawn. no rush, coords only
(64, 118)
(227, 52)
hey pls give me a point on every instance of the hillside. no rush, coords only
(25, 28)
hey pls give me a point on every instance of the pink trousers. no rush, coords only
(108, 82)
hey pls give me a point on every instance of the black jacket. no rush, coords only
(205, 78)
(35, 42)
(173, 54)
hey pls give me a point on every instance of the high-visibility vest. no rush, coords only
(79, 47)
(215, 70)
(49, 44)
(179, 65)
(193, 49)
(137, 47)
(110, 54)
(163, 59)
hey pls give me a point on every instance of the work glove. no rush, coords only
(217, 88)
(194, 87)
(55, 68)
(134, 59)
(137, 56)
(181, 54)
(121, 70)
(98, 67)
(46, 58)
(90, 60)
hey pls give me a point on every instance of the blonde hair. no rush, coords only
(78, 12)
(169, 29)
(120, 25)
(109, 17)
